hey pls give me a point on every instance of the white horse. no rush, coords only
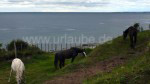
(18, 67)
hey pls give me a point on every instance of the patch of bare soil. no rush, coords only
(78, 76)
(104, 66)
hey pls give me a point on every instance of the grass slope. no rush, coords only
(135, 70)
(38, 69)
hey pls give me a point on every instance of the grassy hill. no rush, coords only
(110, 63)
(39, 68)
(135, 69)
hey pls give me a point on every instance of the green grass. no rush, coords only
(136, 70)
(38, 69)
(118, 47)
(35, 69)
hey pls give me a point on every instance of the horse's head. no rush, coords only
(125, 33)
(79, 50)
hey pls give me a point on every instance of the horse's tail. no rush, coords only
(56, 60)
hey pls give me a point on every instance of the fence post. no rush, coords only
(66, 46)
(75, 44)
(48, 47)
(41, 46)
(6, 47)
(80, 45)
(15, 48)
(52, 46)
(55, 47)
(45, 47)
(61, 46)
(21, 46)
(70, 45)
(37, 45)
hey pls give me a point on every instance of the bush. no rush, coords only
(23, 50)
(136, 25)
(2, 53)
(20, 45)
(0, 45)
(149, 46)
(88, 50)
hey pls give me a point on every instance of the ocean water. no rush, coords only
(20, 25)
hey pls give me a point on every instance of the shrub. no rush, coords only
(136, 25)
(88, 50)
(23, 50)
(2, 52)
(0, 45)
(149, 46)
(20, 45)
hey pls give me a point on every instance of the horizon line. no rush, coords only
(78, 12)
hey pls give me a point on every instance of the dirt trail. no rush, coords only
(78, 76)
(104, 66)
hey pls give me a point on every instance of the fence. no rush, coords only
(49, 47)
(58, 47)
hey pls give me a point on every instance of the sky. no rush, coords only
(74, 5)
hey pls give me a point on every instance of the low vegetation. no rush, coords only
(23, 50)
(134, 70)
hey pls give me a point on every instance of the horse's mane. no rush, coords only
(128, 29)
(75, 48)
(126, 32)
(71, 49)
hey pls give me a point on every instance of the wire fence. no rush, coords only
(50, 47)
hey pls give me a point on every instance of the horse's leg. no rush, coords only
(63, 62)
(135, 38)
(24, 78)
(131, 41)
(72, 59)
(60, 64)
(134, 41)
(17, 79)
(20, 77)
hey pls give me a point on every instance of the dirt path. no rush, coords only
(81, 74)
(104, 66)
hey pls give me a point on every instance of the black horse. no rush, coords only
(132, 32)
(67, 54)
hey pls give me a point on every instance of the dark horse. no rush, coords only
(67, 54)
(132, 32)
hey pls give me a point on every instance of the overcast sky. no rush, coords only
(74, 5)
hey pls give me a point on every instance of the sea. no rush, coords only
(62, 25)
